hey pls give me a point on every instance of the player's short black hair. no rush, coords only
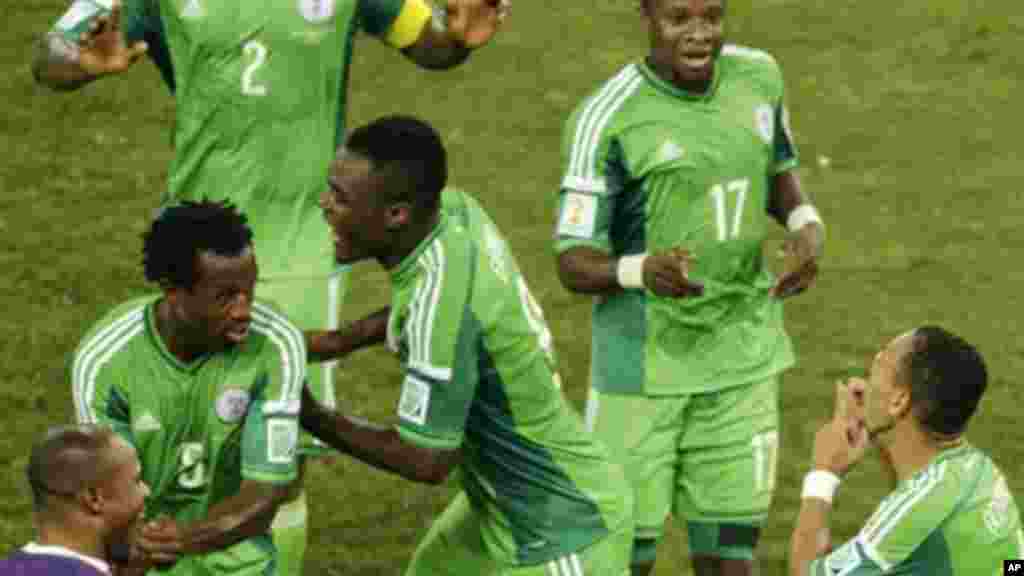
(947, 378)
(65, 461)
(410, 153)
(180, 233)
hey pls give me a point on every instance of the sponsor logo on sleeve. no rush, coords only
(282, 438)
(579, 215)
(415, 400)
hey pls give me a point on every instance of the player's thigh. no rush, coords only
(729, 452)
(453, 546)
(642, 434)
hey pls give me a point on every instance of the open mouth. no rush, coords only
(697, 60)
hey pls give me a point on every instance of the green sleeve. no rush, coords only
(784, 150)
(848, 560)
(102, 400)
(585, 213)
(270, 434)
(442, 339)
(377, 16)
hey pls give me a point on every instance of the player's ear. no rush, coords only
(899, 401)
(91, 500)
(399, 215)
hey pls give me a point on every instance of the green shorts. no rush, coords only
(708, 458)
(454, 546)
(312, 304)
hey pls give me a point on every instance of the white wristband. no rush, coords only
(820, 484)
(802, 215)
(630, 271)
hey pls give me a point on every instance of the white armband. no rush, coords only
(820, 484)
(802, 215)
(630, 271)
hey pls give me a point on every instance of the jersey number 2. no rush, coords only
(255, 53)
(729, 228)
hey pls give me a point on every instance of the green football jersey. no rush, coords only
(480, 374)
(199, 428)
(260, 110)
(957, 517)
(649, 167)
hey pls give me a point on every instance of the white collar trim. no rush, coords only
(33, 548)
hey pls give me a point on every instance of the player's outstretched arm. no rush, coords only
(589, 271)
(455, 30)
(77, 52)
(325, 345)
(378, 446)
(247, 514)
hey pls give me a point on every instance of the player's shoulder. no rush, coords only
(271, 325)
(119, 325)
(602, 103)
(751, 61)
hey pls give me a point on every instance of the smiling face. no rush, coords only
(217, 310)
(686, 39)
(356, 208)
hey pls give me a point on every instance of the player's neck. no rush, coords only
(174, 334)
(911, 450)
(72, 536)
(667, 73)
(408, 240)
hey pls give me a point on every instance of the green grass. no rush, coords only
(910, 102)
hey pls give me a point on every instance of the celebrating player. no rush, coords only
(951, 511)
(261, 90)
(480, 390)
(205, 382)
(88, 495)
(672, 169)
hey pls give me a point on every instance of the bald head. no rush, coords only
(67, 461)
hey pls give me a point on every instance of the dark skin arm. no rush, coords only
(325, 345)
(466, 25)
(802, 248)
(101, 51)
(246, 514)
(380, 447)
(589, 271)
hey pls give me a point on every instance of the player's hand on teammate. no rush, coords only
(473, 23)
(842, 441)
(667, 274)
(801, 251)
(160, 542)
(102, 49)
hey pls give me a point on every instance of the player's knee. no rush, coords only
(645, 550)
(725, 541)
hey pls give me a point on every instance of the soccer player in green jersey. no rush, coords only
(261, 91)
(951, 512)
(673, 170)
(204, 381)
(480, 391)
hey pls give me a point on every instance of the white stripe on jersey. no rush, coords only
(575, 560)
(292, 345)
(590, 112)
(902, 508)
(595, 116)
(423, 311)
(87, 353)
(595, 137)
(746, 52)
(333, 318)
(93, 370)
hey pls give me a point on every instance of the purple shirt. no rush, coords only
(34, 560)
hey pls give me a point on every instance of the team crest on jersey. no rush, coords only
(192, 10)
(317, 11)
(232, 404)
(764, 119)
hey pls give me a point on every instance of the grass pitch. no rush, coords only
(902, 113)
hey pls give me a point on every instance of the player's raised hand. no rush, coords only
(473, 23)
(841, 442)
(102, 49)
(160, 541)
(667, 274)
(801, 250)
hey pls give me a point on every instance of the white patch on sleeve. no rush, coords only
(579, 215)
(415, 401)
(80, 11)
(282, 438)
(843, 560)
